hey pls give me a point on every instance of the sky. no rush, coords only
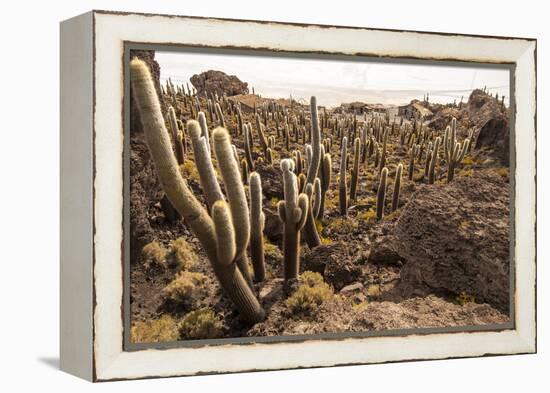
(335, 81)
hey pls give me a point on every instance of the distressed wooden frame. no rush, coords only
(92, 151)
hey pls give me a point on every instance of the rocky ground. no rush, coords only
(441, 259)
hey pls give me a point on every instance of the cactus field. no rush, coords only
(257, 216)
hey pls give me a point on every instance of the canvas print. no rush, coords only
(273, 195)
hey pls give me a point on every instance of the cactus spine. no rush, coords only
(257, 222)
(181, 197)
(396, 188)
(293, 213)
(381, 195)
(342, 185)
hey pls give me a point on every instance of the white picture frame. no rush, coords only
(92, 197)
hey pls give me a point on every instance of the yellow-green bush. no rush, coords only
(153, 254)
(156, 330)
(184, 254)
(186, 287)
(311, 293)
(200, 324)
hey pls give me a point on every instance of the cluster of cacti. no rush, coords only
(454, 151)
(225, 235)
(301, 143)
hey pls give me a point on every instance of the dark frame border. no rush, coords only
(255, 52)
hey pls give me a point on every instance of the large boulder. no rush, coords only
(336, 262)
(495, 134)
(218, 82)
(454, 239)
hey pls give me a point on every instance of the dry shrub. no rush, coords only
(154, 255)
(186, 287)
(200, 324)
(162, 329)
(184, 254)
(311, 293)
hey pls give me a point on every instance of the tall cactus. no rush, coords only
(382, 162)
(413, 151)
(293, 213)
(381, 195)
(396, 188)
(248, 147)
(204, 129)
(326, 174)
(313, 165)
(342, 185)
(355, 169)
(180, 156)
(433, 161)
(257, 222)
(454, 151)
(181, 197)
(310, 229)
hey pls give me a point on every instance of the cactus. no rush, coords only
(413, 151)
(248, 147)
(293, 213)
(180, 157)
(342, 185)
(326, 174)
(219, 115)
(257, 222)
(355, 170)
(181, 197)
(396, 188)
(203, 161)
(316, 197)
(454, 151)
(381, 195)
(244, 171)
(313, 165)
(310, 230)
(382, 162)
(204, 129)
(433, 161)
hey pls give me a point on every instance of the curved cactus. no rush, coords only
(257, 222)
(181, 197)
(381, 194)
(310, 230)
(313, 165)
(342, 185)
(293, 213)
(396, 188)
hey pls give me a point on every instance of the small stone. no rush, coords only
(348, 289)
